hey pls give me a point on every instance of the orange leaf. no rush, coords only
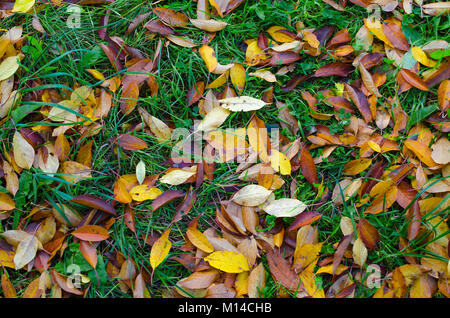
(413, 79)
(7, 287)
(89, 253)
(93, 233)
(421, 151)
(171, 17)
(307, 166)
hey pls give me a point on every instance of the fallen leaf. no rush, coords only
(242, 103)
(92, 233)
(251, 195)
(285, 207)
(160, 249)
(228, 261)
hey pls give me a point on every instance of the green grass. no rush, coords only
(59, 60)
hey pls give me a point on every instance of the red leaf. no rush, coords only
(338, 69)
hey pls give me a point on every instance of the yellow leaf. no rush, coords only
(241, 284)
(328, 269)
(217, 6)
(209, 56)
(422, 57)
(23, 151)
(75, 172)
(97, 74)
(256, 281)
(213, 119)
(254, 54)
(157, 126)
(208, 25)
(376, 28)
(8, 67)
(356, 166)
(160, 250)
(285, 207)
(278, 36)
(375, 147)
(237, 75)
(228, 261)
(23, 6)
(308, 281)
(359, 252)
(265, 75)
(306, 254)
(199, 240)
(279, 162)
(7, 259)
(6, 202)
(143, 193)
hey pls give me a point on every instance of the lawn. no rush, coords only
(224, 148)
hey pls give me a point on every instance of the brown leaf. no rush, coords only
(156, 26)
(166, 198)
(337, 69)
(112, 57)
(440, 74)
(360, 100)
(371, 59)
(282, 58)
(186, 205)
(307, 166)
(294, 81)
(94, 202)
(171, 17)
(413, 79)
(62, 282)
(414, 220)
(368, 233)
(130, 142)
(281, 270)
(129, 219)
(136, 21)
(395, 35)
(303, 219)
(199, 280)
(340, 251)
(195, 93)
